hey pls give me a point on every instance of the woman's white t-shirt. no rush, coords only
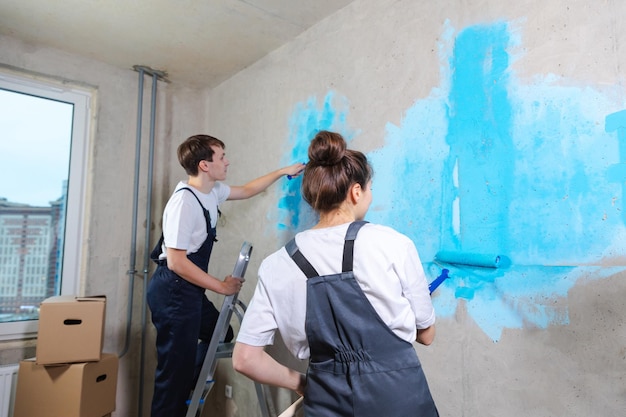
(386, 266)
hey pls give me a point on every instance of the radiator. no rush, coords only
(8, 382)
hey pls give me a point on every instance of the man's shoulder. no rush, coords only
(221, 190)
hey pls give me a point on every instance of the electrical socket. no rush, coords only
(228, 391)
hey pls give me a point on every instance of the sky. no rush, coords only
(35, 138)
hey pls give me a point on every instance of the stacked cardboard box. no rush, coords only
(70, 375)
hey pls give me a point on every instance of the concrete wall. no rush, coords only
(494, 127)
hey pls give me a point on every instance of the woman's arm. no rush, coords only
(258, 365)
(426, 336)
(416, 291)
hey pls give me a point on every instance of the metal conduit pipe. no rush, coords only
(156, 75)
(146, 255)
(133, 236)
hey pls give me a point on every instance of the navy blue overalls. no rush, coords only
(182, 314)
(358, 366)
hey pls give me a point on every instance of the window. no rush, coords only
(44, 130)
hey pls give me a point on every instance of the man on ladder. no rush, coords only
(181, 312)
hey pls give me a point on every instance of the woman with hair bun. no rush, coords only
(346, 295)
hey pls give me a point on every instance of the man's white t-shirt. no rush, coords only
(184, 225)
(386, 266)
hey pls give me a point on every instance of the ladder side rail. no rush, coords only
(210, 361)
(260, 393)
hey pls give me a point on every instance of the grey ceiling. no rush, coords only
(196, 42)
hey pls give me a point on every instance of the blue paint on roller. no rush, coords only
(469, 259)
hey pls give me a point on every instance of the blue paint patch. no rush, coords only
(533, 173)
(464, 292)
(408, 175)
(307, 119)
(495, 167)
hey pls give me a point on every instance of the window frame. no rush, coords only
(74, 229)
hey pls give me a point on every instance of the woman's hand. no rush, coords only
(302, 385)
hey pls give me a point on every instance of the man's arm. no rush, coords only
(178, 262)
(254, 187)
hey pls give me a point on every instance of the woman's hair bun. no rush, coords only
(327, 148)
(331, 171)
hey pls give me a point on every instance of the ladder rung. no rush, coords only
(224, 350)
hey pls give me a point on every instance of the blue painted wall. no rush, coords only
(534, 173)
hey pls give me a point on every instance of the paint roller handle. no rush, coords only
(437, 282)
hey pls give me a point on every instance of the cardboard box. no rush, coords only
(73, 390)
(71, 329)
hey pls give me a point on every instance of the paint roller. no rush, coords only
(468, 259)
(462, 258)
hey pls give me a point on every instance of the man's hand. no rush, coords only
(231, 285)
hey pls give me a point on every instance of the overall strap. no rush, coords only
(348, 248)
(157, 250)
(348, 251)
(207, 214)
(300, 260)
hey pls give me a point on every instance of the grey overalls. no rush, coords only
(358, 366)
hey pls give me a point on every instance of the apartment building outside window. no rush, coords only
(44, 127)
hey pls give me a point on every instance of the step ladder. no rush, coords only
(293, 409)
(218, 349)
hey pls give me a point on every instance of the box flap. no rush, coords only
(73, 298)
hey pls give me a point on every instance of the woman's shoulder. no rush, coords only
(338, 233)
(385, 237)
(279, 255)
(274, 266)
(383, 230)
